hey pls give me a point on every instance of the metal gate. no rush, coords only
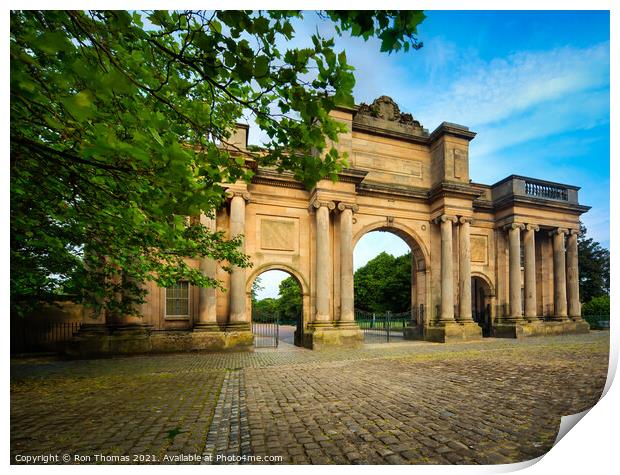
(382, 327)
(266, 331)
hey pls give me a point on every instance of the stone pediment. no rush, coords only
(384, 114)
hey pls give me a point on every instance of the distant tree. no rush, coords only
(264, 310)
(593, 267)
(596, 306)
(256, 288)
(289, 302)
(384, 284)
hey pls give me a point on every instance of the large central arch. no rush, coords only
(420, 270)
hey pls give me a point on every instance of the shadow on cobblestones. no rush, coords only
(496, 401)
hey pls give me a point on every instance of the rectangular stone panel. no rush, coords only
(278, 234)
(397, 166)
(479, 248)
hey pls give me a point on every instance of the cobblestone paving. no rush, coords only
(496, 401)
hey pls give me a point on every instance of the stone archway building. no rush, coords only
(518, 235)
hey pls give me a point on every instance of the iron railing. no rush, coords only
(597, 322)
(29, 337)
(382, 327)
(266, 331)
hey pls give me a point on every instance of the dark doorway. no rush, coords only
(480, 305)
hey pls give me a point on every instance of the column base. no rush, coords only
(414, 332)
(539, 328)
(449, 332)
(325, 335)
(207, 327)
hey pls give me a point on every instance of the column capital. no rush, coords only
(316, 204)
(230, 194)
(352, 206)
(532, 227)
(574, 232)
(465, 219)
(445, 217)
(555, 231)
(510, 226)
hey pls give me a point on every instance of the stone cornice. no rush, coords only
(456, 130)
(265, 176)
(448, 188)
(512, 200)
(374, 130)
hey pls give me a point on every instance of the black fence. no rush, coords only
(597, 322)
(382, 327)
(266, 331)
(31, 337)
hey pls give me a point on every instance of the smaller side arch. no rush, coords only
(305, 289)
(482, 276)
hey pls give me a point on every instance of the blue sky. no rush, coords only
(533, 85)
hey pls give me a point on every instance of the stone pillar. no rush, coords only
(514, 263)
(207, 308)
(574, 307)
(323, 261)
(464, 270)
(530, 271)
(447, 271)
(347, 315)
(559, 274)
(238, 316)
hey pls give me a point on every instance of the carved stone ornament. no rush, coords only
(230, 193)
(385, 108)
(532, 227)
(444, 217)
(316, 204)
(510, 226)
(342, 206)
(558, 231)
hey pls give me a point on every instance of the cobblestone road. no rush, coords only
(496, 401)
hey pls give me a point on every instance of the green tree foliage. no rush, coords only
(287, 307)
(593, 268)
(384, 284)
(598, 306)
(289, 303)
(120, 129)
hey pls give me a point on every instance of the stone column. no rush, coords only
(514, 263)
(347, 315)
(574, 307)
(238, 316)
(559, 274)
(464, 270)
(530, 271)
(323, 260)
(447, 271)
(207, 309)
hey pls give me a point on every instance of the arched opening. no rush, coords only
(277, 302)
(481, 304)
(389, 284)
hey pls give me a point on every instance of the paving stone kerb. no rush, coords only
(497, 401)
